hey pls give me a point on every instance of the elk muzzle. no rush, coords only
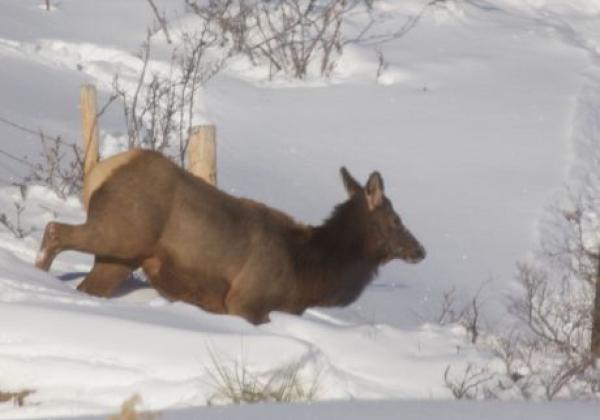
(414, 254)
(410, 249)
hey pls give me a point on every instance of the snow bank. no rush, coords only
(469, 123)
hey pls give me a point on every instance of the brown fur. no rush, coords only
(101, 171)
(226, 254)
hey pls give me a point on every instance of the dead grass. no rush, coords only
(17, 398)
(129, 411)
(235, 384)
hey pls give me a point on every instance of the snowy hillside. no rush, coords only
(480, 115)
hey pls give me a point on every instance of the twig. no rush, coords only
(161, 21)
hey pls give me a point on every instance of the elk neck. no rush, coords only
(335, 260)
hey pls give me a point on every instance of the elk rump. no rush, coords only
(222, 253)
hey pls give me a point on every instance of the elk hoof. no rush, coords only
(41, 261)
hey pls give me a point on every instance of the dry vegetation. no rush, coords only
(129, 411)
(289, 36)
(17, 398)
(550, 349)
(234, 383)
(15, 224)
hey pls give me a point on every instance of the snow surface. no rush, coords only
(405, 410)
(484, 111)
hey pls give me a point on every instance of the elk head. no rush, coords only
(386, 237)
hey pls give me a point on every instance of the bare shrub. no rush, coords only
(558, 312)
(159, 111)
(235, 384)
(17, 398)
(573, 250)
(466, 314)
(59, 166)
(15, 225)
(551, 357)
(537, 371)
(469, 384)
(515, 357)
(298, 37)
(289, 36)
(555, 311)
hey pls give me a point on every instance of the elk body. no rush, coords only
(226, 254)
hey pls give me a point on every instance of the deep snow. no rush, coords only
(485, 110)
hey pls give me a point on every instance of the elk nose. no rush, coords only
(419, 254)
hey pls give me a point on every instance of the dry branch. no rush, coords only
(162, 21)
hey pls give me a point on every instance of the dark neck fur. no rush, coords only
(334, 260)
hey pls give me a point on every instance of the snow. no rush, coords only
(484, 111)
(407, 410)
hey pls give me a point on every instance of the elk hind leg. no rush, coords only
(91, 238)
(50, 247)
(106, 276)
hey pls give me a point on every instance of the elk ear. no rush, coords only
(374, 190)
(351, 184)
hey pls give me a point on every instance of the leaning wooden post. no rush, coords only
(202, 153)
(91, 134)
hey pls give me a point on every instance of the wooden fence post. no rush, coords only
(91, 136)
(91, 131)
(202, 153)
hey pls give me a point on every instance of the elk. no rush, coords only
(225, 254)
